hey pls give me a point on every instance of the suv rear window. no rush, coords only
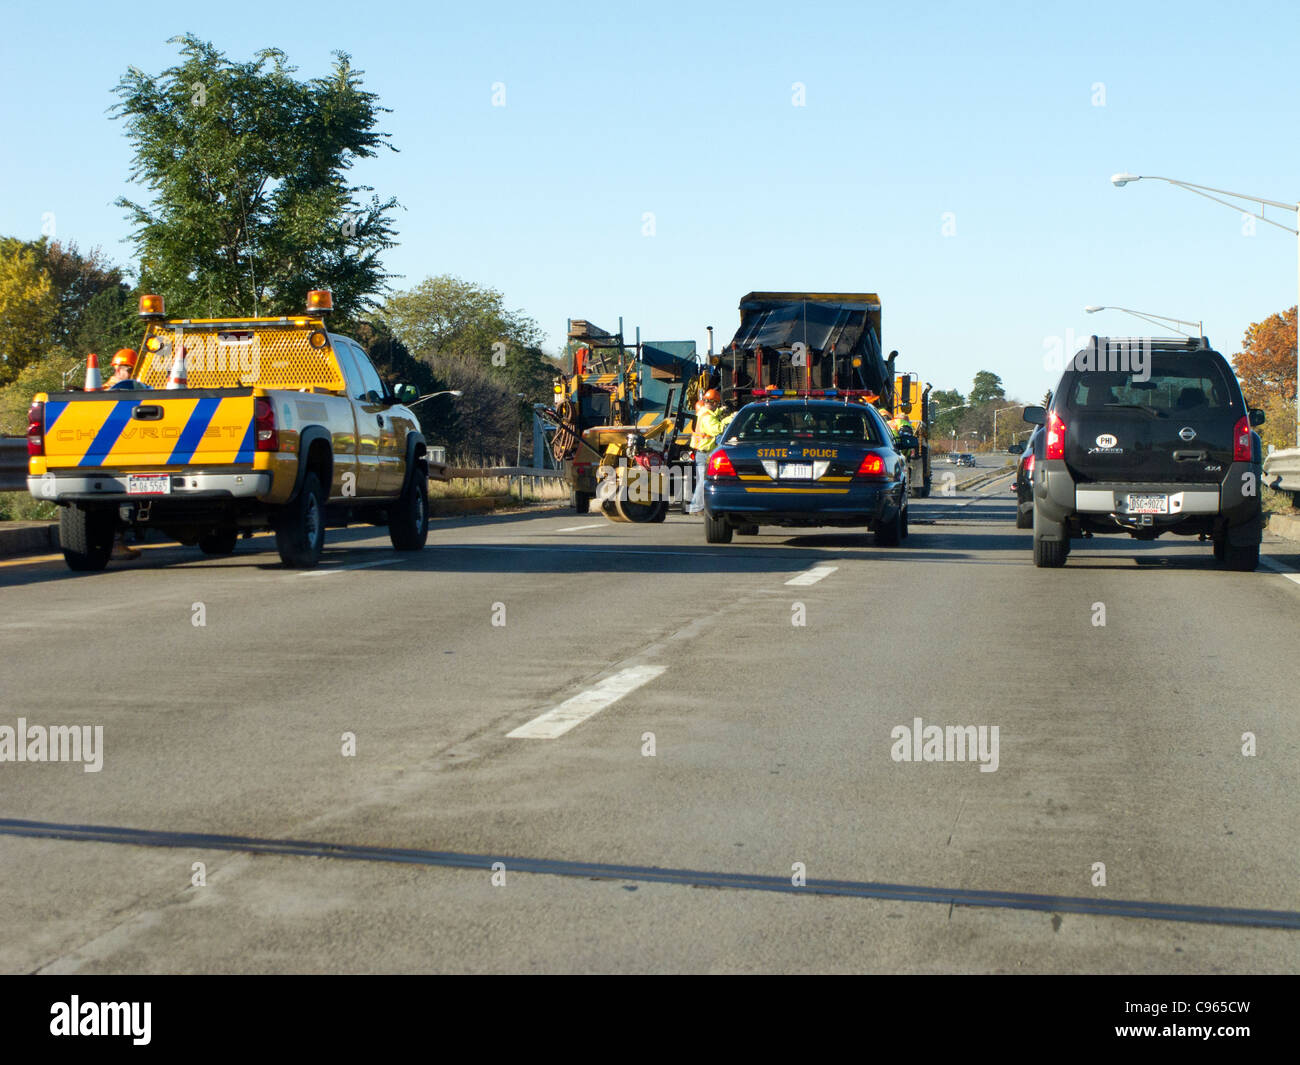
(835, 425)
(1176, 383)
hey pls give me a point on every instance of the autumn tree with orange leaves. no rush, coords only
(1266, 367)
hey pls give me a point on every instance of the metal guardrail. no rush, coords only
(1282, 470)
(13, 468)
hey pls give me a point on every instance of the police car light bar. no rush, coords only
(772, 392)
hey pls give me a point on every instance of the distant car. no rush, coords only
(954, 457)
(1147, 436)
(1024, 483)
(966, 459)
(806, 463)
(1016, 448)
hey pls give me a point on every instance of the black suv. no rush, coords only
(1148, 436)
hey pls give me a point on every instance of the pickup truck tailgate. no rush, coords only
(149, 428)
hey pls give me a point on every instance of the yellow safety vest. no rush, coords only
(708, 427)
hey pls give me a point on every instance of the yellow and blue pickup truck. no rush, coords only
(231, 426)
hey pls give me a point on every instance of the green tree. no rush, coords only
(247, 168)
(986, 387)
(446, 318)
(28, 308)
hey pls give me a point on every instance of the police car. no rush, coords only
(806, 459)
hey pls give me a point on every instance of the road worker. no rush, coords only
(710, 423)
(121, 369)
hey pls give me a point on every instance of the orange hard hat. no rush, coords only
(713, 396)
(124, 357)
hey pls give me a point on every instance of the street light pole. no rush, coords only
(1000, 410)
(1120, 180)
(1146, 316)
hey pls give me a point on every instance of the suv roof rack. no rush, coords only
(1201, 343)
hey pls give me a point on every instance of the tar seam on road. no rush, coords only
(1156, 911)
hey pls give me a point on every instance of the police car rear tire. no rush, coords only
(300, 526)
(86, 536)
(220, 542)
(408, 518)
(716, 530)
(891, 533)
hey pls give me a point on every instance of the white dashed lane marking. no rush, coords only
(812, 576)
(573, 712)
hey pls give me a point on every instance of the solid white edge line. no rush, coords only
(812, 576)
(1279, 569)
(573, 712)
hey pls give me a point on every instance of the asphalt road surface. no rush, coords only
(705, 772)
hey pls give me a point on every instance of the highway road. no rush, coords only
(553, 692)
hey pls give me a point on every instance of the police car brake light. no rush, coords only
(872, 466)
(720, 465)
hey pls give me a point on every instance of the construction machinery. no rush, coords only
(823, 344)
(622, 421)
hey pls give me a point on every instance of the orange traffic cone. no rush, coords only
(94, 382)
(177, 377)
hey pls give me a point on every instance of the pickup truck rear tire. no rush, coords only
(221, 542)
(408, 518)
(300, 526)
(86, 536)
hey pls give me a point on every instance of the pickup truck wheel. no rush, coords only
(86, 536)
(221, 542)
(716, 530)
(408, 520)
(300, 526)
(1244, 558)
(1220, 549)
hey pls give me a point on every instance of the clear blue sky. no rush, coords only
(685, 110)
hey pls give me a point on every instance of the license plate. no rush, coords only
(1143, 504)
(796, 471)
(149, 484)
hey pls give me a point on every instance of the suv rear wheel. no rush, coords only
(1048, 554)
(1243, 558)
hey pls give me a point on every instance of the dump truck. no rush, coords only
(822, 343)
(230, 426)
(623, 418)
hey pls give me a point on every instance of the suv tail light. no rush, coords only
(1242, 451)
(266, 438)
(872, 467)
(720, 465)
(36, 429)
(1055, 443)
